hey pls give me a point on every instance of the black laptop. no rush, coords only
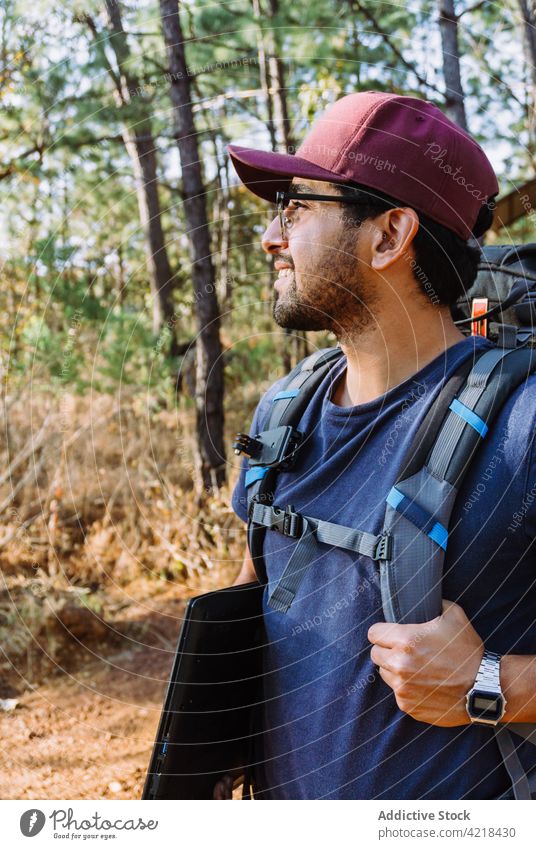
(206, 724)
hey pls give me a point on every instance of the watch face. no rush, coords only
(486, 706)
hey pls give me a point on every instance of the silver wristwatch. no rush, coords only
(485, 701)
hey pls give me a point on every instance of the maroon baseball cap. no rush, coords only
(401, 146)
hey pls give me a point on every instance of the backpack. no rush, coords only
(419, 505)
(505, 284)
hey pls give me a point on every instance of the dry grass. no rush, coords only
(96, 501)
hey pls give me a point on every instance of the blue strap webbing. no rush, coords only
(418, 516)
(469, 416)
(285, 393)
(256, 473)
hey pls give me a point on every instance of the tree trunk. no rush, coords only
(294, 345)
(278, 86)
(264, 74)
(221, 234)
(528, 15)
(529, 31)
(140, 147)
(209, 364)
(120, 278)
(454, 98)
(141, 150)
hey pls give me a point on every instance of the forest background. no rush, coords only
(136, 330)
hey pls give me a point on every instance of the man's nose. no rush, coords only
(272, 240)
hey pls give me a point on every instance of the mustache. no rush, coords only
(286, 259)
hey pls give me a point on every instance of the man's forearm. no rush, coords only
(518, 683)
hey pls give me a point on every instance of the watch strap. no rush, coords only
(488, 675)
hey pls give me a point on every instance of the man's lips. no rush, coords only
(279, 265)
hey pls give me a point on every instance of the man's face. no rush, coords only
(322, 284)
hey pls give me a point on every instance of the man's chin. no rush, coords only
(297, 317)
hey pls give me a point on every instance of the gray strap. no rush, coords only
(452, 429)
(280, 406)
(360, 542)
(294, 573)
(523, 729)
(282, 412)
(309, 364)
(518, 776)
(305, 551)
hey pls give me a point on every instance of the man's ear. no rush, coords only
(396, 229)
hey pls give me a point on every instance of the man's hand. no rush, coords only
(429, 667)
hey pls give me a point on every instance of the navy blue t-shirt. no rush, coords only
(332, 728)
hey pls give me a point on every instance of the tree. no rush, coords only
(528, 16)
(140, 145)
(209, 364)
(454, 96)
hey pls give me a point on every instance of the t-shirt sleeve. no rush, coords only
(239, 500)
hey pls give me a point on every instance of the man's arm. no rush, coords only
(431, 667)
(247, 572)
(518, 683)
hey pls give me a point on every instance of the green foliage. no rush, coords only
(75, 258)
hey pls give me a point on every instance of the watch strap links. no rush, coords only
(488, 675)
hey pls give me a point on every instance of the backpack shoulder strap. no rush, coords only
(277, 446)
(420, 503)
(419, 507)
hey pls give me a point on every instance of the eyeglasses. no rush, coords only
(282, 199)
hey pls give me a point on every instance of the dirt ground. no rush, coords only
(85, 731)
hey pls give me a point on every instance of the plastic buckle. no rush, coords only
(287, 521)
(384, 548)
(278, 447)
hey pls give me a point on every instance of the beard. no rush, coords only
(341, 303)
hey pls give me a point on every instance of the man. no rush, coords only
(355, 708)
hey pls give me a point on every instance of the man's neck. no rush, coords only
(390, 352)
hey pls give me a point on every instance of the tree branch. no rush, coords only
(472, 8)
(392, 46)
(86, 19)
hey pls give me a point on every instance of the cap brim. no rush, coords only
(265, 173)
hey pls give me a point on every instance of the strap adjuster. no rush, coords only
(258, 498)
(384, 548)
(287, 521)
